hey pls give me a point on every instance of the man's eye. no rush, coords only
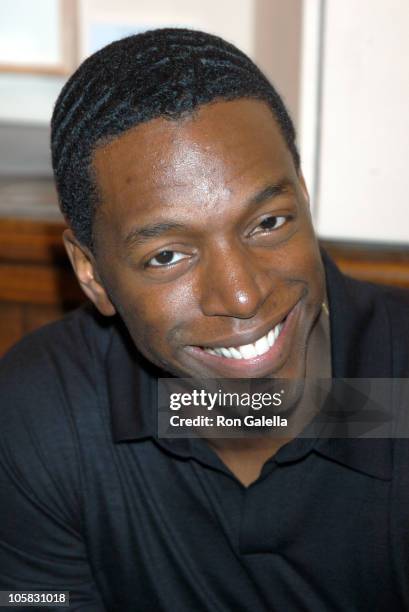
(165, 258)
(269, 223)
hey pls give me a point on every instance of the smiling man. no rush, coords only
(206, 243)
(190, 232)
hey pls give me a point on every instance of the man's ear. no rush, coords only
(84, 266)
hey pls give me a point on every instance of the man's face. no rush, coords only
(204, 241)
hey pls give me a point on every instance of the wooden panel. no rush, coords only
(12, 325)
(383, 273)
(31, 241)
(20, 319)
(34, 268)
(39, 284)
(35, 315)
(384, 264)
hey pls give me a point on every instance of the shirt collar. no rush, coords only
(357, 335)
(361, 342)
(131, 388)
(132, 393)
(370, 456)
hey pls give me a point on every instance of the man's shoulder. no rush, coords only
(395, 297)
(52, 373)
(369, 325)
(388, 308)
(50, 408)
(363, 295)
(395, 300)
(79, 333)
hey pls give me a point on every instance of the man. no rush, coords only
(190, 232)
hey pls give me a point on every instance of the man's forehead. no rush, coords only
(223, 138)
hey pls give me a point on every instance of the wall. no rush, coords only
(277, 47)
(228, 18)
(354, 120)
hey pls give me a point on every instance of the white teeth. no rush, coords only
(277, 330)
(248, 351)
(262, 345)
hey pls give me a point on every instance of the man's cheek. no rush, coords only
(149, 328)
(304, 263)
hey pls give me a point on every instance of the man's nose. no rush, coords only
(234, 284)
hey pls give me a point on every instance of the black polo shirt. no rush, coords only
(91, 501)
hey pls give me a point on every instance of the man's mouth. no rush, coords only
(248, 351)
(264, 354)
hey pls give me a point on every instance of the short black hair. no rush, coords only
(165, 73)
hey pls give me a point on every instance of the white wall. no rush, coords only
(230, 19)
(27, 98)
(362, 145)
(19, 19)
(28, 36)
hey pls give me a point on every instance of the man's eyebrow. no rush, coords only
(271, 191)
(139, 235)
